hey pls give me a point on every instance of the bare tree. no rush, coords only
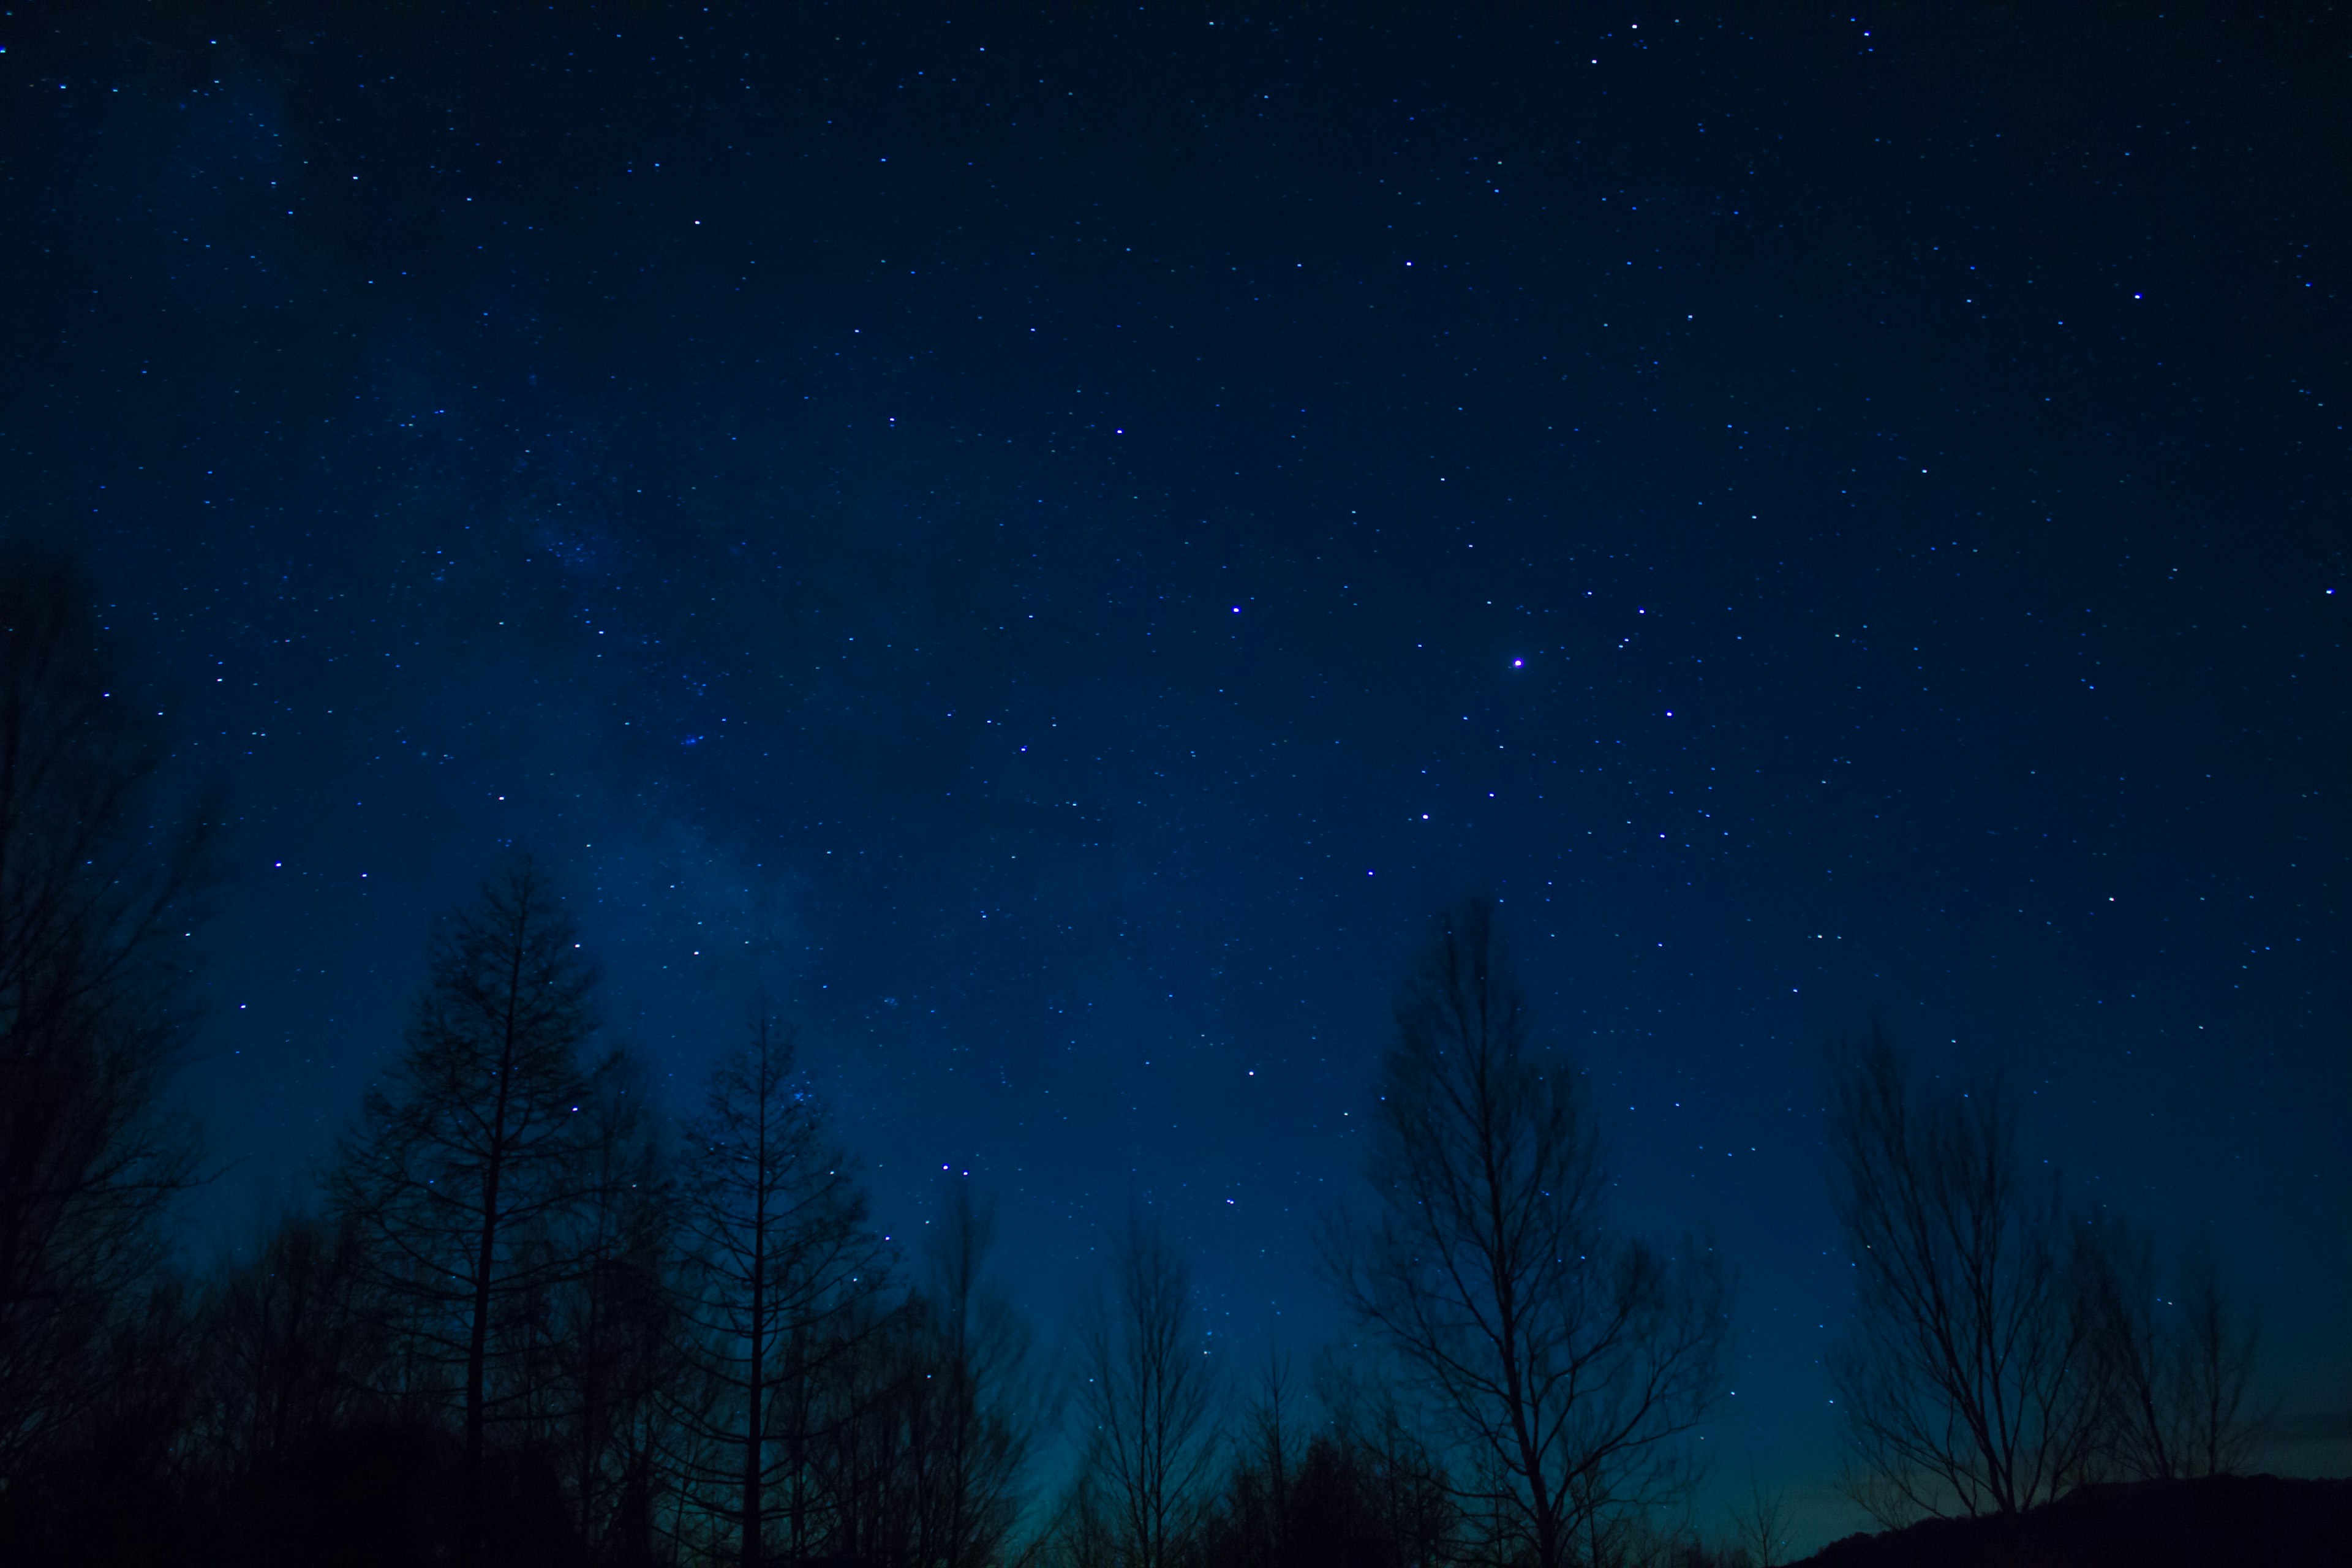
(2214, 1356)
(95, 916)
(1374, 1476)
(1256, 1523)
(614, 1344)
(780, 1262)
(987, 1411)
(2175, 1374)
(292, 1347)
(1760, 1526)
(470, 1156)
(867, 1421)
(1149, 1400)
(113, 1481)
(1565, 1361)
(1968, 1383)
(1083, 1533)
(1277, 1436)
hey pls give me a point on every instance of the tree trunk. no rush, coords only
(758, 1358)
(477, 1348)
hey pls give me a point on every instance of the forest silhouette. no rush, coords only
(529, 1315)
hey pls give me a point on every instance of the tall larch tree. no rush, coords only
(774, 1223)
(471, 1152)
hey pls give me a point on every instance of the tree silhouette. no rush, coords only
(292, 1347)
(95, 913)
(1377, 1471)
(2214, 1355)
(1276, 1447)
(114, 1482)
(1565, 1363)
(469, 1161)
(779, 1261)
(612, 1342)
(1760, 1526)
(1148, 1400)
(1257, 1521)
(2175, 1376)
(1968, 1383)
(1353, 1486)
(983, 1408)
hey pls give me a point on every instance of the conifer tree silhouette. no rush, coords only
(96, 912)
(468, 1159)
(779, 1262)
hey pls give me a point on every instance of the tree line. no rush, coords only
(527, 1315)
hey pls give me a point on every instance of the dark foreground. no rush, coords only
(2242, 1521)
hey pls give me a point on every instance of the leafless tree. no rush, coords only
(2174, 1373)
(291, 1347)
(1255, 1524)
(1278, 1434)
(470, 1156)
(614, 1348)
(2215, 1352)
(868, 1425)
(1084, 1532)
(1567, 1363)
(1760, 1526)
(96, 913)
(985, 1396)
(1394, 1489)
(114, 1479)
(781, 1265)
(1149, 1402)
(1968, 1381)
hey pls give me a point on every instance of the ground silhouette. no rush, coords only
(2248, 1521)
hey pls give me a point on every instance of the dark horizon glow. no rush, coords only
(1053, 547)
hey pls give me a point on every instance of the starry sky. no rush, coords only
(1053, 542)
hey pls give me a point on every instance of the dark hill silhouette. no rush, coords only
(2245, 1521)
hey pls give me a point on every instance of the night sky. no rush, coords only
(1054, 543)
